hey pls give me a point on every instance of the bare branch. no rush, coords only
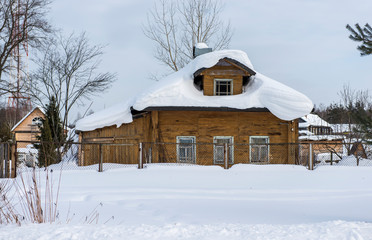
(68, 71)
(176, 27)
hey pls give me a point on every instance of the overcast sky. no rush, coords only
(301, 43)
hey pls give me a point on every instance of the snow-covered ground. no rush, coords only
(199, 202)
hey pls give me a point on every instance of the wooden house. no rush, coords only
(25, 132)
(217, 98)
(326, 146)
(312, 124)
(27, 129)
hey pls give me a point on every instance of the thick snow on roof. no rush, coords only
(313, 120)
(201, 45)
(178, 90)
(115, 115)
(321, 137)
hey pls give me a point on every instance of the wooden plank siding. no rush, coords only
(206, 125)
(132, 133)
(165, 126)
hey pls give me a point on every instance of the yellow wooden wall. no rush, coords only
(205, 125)
(130, 134)
(165, 126)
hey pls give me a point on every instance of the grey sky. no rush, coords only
(301, 43)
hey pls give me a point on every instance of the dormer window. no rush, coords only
(223, 87)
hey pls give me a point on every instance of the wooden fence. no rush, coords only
(7, 163)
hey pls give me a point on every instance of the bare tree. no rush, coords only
(68, 71)
(21, 21)
(353, 100)
(176, 26)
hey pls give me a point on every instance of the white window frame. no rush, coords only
(231, 148)
(250, 148)
(223, 80)
(193, 148)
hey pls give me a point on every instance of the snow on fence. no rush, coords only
(101, 156)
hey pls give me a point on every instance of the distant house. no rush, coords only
(217, 98)
(25, 132)
(312, 124)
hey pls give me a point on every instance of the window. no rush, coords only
(223, 87)
(218, 149)
(37, 121)
(259, 149)
(186, 149)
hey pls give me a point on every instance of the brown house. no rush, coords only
(25, 132)
(27, 129)
(217, 98)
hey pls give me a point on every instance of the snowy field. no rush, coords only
(198, 202)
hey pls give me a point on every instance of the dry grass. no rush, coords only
(21, 200)
(8, 214)
(35, 208)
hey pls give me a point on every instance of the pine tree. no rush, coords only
(362, 35)
(363, 117)
(55, 123)
(47, 148)
(51, 137)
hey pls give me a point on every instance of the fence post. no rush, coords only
(15, 155)
(2, 160)
(14, 163)
(100, 165)
(226, 154)
(311, 164)
(140, 160)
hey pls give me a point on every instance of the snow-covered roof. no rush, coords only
(28, 114)
(178, 90)
(313, 120)
(321, 137)
(343, 128)
(201, 45)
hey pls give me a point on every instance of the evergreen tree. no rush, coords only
(362, 35)
(55, 123)
(363, 117)
(52, 135)
(46, 147)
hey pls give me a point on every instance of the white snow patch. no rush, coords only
(335, 230)
(208, 202)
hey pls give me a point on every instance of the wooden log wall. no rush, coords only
(131, 134)
(205, 125)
